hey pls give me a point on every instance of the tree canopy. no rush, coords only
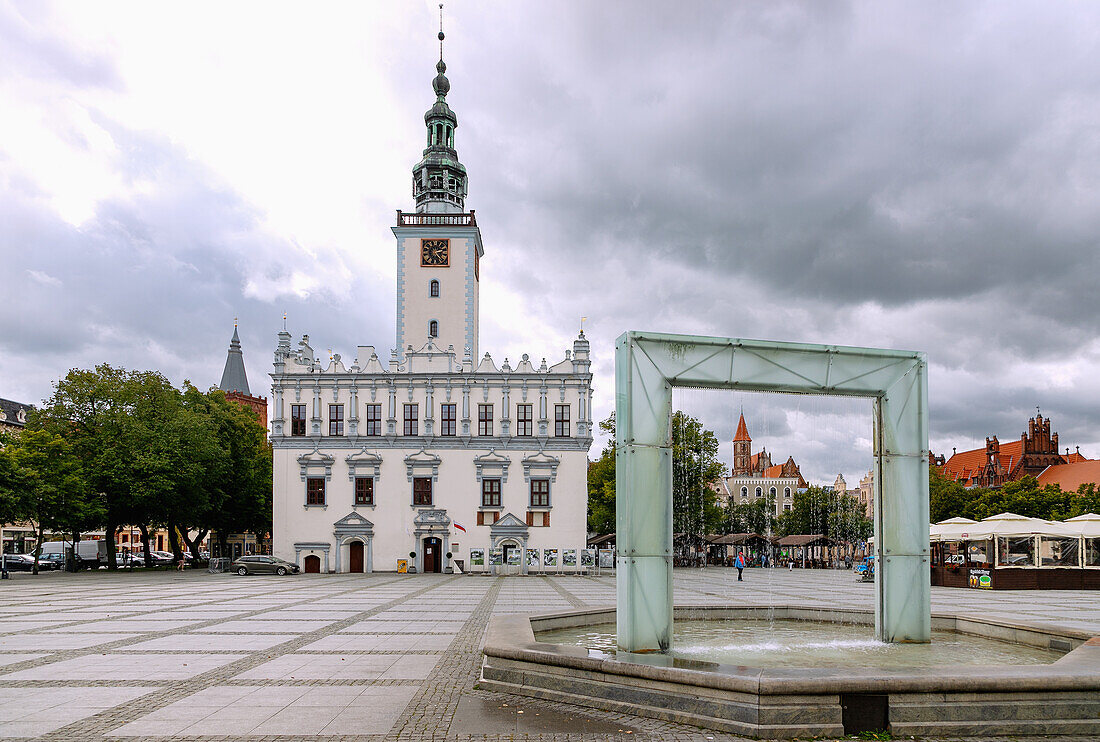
(152, 454)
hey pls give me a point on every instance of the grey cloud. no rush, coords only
(28, 48)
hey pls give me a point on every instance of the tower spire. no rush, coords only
(439, 179)
(234, 378)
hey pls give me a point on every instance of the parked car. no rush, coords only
(56, 560)
(126, 559)
(161, 558)
(25, 563)
(259, 564)
(89, 552)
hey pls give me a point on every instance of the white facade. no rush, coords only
(380, 461)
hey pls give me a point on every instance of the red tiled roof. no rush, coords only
(1071, 476)
(774, 472)
(1076, 456)
(965, 464)
(742, 433)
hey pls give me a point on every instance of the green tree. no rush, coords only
(601, 484)
(44, 483)
(820, 511)
(695, 469)
(946, 497)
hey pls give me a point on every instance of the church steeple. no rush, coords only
(439, 179)
(233, 376)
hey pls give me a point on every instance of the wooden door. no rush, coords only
(313, 564)
(433, 561)
(355, 557)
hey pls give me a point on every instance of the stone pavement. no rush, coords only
(195, 656)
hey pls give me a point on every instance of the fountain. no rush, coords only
(753, 697)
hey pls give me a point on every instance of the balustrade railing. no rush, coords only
(421, 219)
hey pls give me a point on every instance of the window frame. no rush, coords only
(411, 423)
(296, 430)
(417, 495)
(336, 420)
(525, 422)
(448, 419)
(433, 328)
(543, 484)
(491, 492)
(485, 419)
(562, 424)
(372, 414)
(433, 288)
(368, 501)
(312, 485)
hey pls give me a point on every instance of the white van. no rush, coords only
(88, 552)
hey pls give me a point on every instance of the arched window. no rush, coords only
(786, 492)
(772, 492)
(759, 492)
(744, 492)
(433, 288)
(433, 329)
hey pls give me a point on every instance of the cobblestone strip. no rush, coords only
(570, 597)
(98, 725)
(143, 613)
(429, 713)
(68, 654)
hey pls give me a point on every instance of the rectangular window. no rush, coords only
(336, 419)
(422, 491)
(484, 419)
(411, 421)
(364, 490)
(315, 491)
(447, 419)
(490, 493)
(374, 419)
(540, 493)
(523, 419)
(297, 419)
(561, 421)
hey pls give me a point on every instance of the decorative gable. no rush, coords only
(540, 464)
(363, 464)
(315, 462)
(353, 524)
(492, 464)
(422, 464)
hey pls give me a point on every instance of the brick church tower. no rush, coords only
(235, 381)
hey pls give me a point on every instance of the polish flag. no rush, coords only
(458, 527)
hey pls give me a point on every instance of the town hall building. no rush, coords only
(431, 455)
(753, 477)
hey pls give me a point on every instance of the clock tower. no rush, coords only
(438, 245)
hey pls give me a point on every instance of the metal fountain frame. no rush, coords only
(647, 368)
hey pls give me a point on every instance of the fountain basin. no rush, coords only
(1062, 697)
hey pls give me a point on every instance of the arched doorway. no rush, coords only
(433, 555)
(313, 564)
(355, 556)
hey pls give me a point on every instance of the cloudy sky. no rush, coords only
(905, 175)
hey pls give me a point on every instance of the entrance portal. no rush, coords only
(355, 556)
(313, 564)
(433, 555)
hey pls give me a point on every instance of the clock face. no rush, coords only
(435, 252)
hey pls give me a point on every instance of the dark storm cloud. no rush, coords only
(155, 280)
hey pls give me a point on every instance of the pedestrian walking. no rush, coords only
(740, 564)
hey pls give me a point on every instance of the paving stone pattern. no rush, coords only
(201, 657)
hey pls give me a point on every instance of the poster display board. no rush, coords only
(402, 566)
(513, 557)
(496, 557)
(477, 557)
(550, 557)
(607, 558)
(588, 558)
(533, 558)
(569, 558)
(981, 579)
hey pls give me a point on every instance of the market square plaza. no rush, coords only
(197, 656)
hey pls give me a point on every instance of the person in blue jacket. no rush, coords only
(740, 564)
